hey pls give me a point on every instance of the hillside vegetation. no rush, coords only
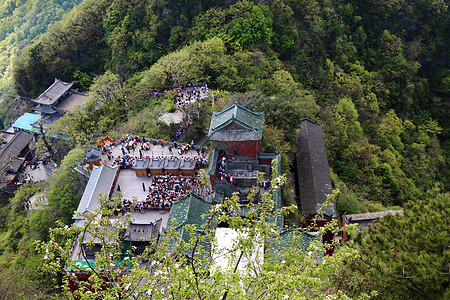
(375, 74)
(21, 24)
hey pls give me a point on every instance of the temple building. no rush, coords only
(94, 157)
(236, 131)
(314, 180)
(14, 150)
(57, 99)
(364, 220)
(236, 162)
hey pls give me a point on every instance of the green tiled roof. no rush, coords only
(296, 238)
(236, 124)
(187, 211)
(217, 197)
(213, 163)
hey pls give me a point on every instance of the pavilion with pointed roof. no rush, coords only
(94, 157)
(48, 101)
(236, 130)
(54, 93)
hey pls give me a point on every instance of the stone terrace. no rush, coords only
(155, 151)
(131, 185)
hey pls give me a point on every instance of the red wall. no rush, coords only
(242, 148)
(327, 237)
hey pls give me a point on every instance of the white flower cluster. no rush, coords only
(278, 182)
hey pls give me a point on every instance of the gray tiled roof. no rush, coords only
(172, 164)
(93, 155)
(187, 164)
(45, 109)
(101, 181)
(313, 171)
(236, 123)
(54, 92)
(368, 217)
(9, 153)
(141, 163)
(156, 163)
(140, 231)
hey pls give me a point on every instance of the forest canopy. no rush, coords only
(374, 74)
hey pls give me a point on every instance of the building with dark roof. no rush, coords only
(13, 154)
(172, 166)
(44, 109)
(236, 130)
(314, 180)
(363, 220)
(156, 166)
(187, 167)
(54, 94)
(140, 166)
(94, 157)
(56, 100)
(138, 235)
(141, 233)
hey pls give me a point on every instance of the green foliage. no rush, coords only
(21, 24)
(257, 28)
(362, 69)
(408, 256)
(372, 73)
(73, 44)
(65, 189)
(186, 266)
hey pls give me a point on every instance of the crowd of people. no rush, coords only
(221, 169)
(137, 147)
(183, 96)
(25, 176)
(182, 127)
(125, 162)
(163, 191)
(166, 189)
(27, 204)
(189, 94)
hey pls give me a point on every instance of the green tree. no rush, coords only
(408, 256)
(254, 30)
(65, 188)
(186, 268)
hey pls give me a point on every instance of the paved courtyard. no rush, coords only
(155, 151)
(33, 175)
(131, 185)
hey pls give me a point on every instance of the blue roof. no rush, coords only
(26, 121)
